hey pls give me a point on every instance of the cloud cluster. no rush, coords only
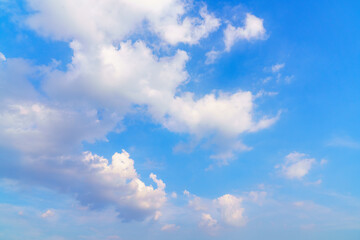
(226, 210)
(115, 69)
(95, 183)
(109, 71)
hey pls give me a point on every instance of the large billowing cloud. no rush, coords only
(94, 182)
(114, 68)
(110, 71)
(49, 135)
(111, 77)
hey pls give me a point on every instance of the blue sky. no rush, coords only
(173, 119)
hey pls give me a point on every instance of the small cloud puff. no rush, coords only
(296, 165)
(277, 67)
(48, 213)
(253, 30)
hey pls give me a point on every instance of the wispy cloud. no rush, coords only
(277, 67)
(345, 142)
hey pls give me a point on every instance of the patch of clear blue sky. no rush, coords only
(319, 42)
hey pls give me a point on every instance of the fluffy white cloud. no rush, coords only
(118, 183)
(208, 224)
(96, 183)
(119, 76)
(296, 165)
(109, 76)
(207, 220)
(91, 21)
(190, 30)
(228, 114)
(231, 210)
(253, 30)
(225, 210)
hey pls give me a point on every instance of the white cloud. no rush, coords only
(112, 79)
(95, 182)
(118, 184)
(91, 21)
(48, 213)
(108, 77)
(225, 210)
(227, 114)
(253, 30)
(207, 220)
(2, 57)
(231, 210)
(212, 56)
(277, 67)
(109, 72)
(169, 227)
(190, 30)
(296, 165)
(208, 224)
